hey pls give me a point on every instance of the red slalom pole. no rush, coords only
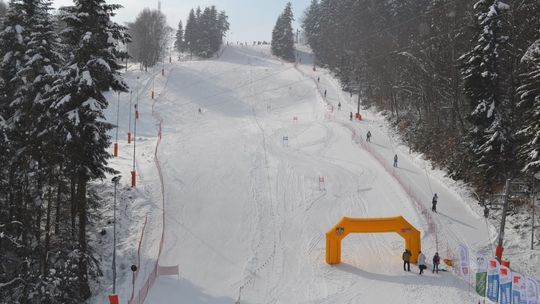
(133, 179)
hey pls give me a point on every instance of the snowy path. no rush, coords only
(244, 210)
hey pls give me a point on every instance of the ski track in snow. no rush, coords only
(244, 212)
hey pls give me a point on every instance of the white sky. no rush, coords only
(250, 19)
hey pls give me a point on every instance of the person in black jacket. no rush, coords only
(406, 256)
(436, 262)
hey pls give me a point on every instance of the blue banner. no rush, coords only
(505, 277)
(506, 293)
(493, 281)
(493, 288)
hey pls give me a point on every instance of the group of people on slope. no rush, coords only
(406, 256)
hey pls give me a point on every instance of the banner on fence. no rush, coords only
(505, 277)
(519, 289)
(533, 291)
(493, 280)
(464, 263)
(481, 274)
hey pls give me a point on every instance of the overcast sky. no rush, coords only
(250, 19)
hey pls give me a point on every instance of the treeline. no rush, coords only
(460, 81)
(54, 142)
(204, 32)
(282, 35)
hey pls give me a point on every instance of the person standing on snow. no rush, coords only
(395, 160)
(436, 262)
(339, 105)
(406, 256)
(434, 203)
(324, 93)
(350, 116)
(421, 262)
(368, 136)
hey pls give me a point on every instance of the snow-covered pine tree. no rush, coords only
(487, 72)
(282, 35)
(205, 24)
(12, 52)
(91, 69)
(190, 34)
(179, 42)
(529, 103)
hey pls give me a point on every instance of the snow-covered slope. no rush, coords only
(245, 213)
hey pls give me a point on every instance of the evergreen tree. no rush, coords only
(190, 35)
(487, 74)
(529, 104)
(204, 31)
(78, 97)
(282, 35)
(179, 42)
(12, 52)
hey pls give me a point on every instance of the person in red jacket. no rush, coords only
(436, 262)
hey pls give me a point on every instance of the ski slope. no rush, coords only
(245, 214)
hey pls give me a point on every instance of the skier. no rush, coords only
(434, 203)
(339, 105)
(350, 116)
(324, 93)
(318, 79)
(200, 111)
(421, 262)
(406, 256)
(436, 262)
(486, 211)
(368, 136)
(395, 160)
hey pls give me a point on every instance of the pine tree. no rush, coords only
(282, 35)
(205, 30)
(487, 72)
(78, 97)
(529, 104)
(190, 35)
(12, 52)
(179, 42)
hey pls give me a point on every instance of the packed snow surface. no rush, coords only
(246, 213)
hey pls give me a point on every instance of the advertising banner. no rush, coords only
(493, 280)
(533, 291)
(481, 274)
(464, 263)
(519, 289)
(505, 277)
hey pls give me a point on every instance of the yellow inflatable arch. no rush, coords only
(371, 225)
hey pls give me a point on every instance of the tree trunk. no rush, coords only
(47, 233)
(83, 262)
(73, 197)
(58, 202)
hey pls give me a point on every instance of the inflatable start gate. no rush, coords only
(374, 225)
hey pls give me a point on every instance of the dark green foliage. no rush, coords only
(445, 72)
(204, 31)
(53, 142)
(282, 35)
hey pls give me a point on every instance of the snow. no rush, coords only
(244, 215)
(86, 78)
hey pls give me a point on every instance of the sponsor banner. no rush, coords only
(533, 291)
(464, 263)
(481, 274)
(519, 289)
(493, 280)
(505, 277)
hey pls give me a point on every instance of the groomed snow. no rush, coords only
(245, 215)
